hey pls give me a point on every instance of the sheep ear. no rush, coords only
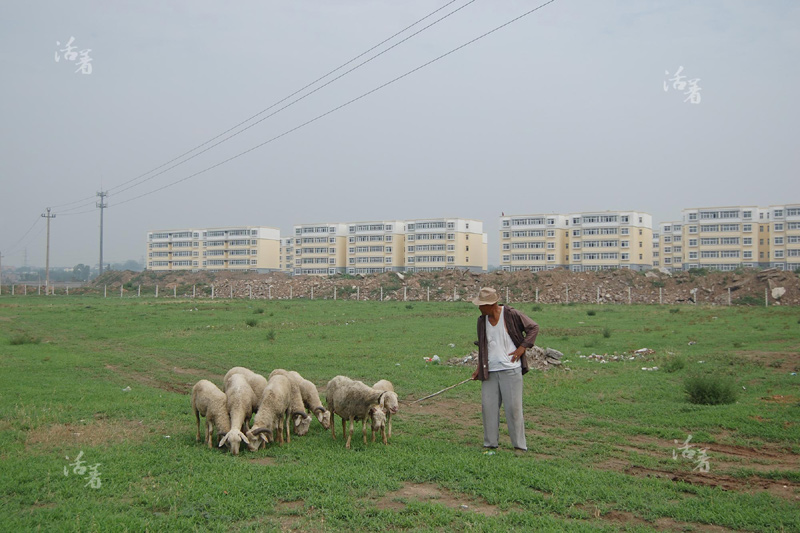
(244, 439)
(264, 438)
(223, 440)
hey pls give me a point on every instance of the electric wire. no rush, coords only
(341, 106)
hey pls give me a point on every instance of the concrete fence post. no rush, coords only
(334, 293)
(105, 291)
(660, 296)
(766, 297)
(598, 295)
(156, 291)
(139, 291)
(729, 296)
(212, 291)
(630, 300)
(537, 295)
(567, 287)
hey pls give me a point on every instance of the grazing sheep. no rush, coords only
(256, 381)
(352, 400)
(240, 400)
(210, 402)
(390, 405)
(310, 396)
(275, 407)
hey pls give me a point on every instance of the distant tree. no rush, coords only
(80, 272)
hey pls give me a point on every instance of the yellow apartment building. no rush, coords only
(232, 248)
(607, 240)
(725, 238)
(320, 249)
(783, 237)
(444, 243)
(534, 242)
(376, 246)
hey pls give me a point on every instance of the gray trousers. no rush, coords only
(503, 387)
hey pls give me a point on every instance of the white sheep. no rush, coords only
(240, 400)
(310, 396)
(274, 408)
(256, 381)
(210, 402)
(389, 403)
(353, 400)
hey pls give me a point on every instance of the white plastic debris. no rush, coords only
(452, 345)
(127, 389)
(435, 359)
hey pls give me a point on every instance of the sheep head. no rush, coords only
(302, 422)
(260, 432)
(234, 438)
(389, 402)
(378, 418)
(324, 416)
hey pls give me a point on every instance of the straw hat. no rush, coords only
(487, 296)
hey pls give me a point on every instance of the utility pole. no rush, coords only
(102, 205)
(48, 216)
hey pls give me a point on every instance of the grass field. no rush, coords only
(604, 438)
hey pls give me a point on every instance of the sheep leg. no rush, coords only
(383, 435)
(197, 416)
(288, 423)
(389, 424)
(350, 434)
(364, 429)
(344, 428)
(209, 432)
(333, 426)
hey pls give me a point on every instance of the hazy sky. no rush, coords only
(562, 111)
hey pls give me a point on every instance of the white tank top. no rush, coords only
(500, 345)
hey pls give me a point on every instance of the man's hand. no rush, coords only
(517, 354)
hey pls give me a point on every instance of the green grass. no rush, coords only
(66, 394)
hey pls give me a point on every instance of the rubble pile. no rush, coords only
(552, 286)
(538, 358)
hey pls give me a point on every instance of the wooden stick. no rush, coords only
(441, 391)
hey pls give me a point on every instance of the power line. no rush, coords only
(318, 117)
(90, 199)
(289, 104)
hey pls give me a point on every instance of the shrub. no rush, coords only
(271, 335)
(23, 338)
(409, 306)
(252, 322)
(675, 310)
(698, 271)
(710, 390)
(536, 308)
(606, 332)
(259, 311)
(591, 312)
(674, 363)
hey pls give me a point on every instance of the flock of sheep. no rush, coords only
(285, 400)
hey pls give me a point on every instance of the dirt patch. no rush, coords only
(783, 489)
(91, 433)
(428, 492)
(266, 461)
(779, 398)
(181, 387)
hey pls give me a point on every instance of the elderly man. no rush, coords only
(503, 335)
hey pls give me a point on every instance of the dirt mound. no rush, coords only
(749, 287)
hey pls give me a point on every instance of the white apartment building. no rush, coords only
(610, 239)
(534, 242)
(668, 248)
(232, 248)
(445, 243)
(320, 249)
(376, 246)
(286, 259)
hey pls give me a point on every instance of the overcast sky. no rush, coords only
(561, 111)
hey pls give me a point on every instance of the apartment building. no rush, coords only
(534, 242)
(376, 246)
(286, 259)
(607, 240)
(725, 238)
(440, 243)
(783, 237)
(232, 248)
(320, 249)
(668, 247)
